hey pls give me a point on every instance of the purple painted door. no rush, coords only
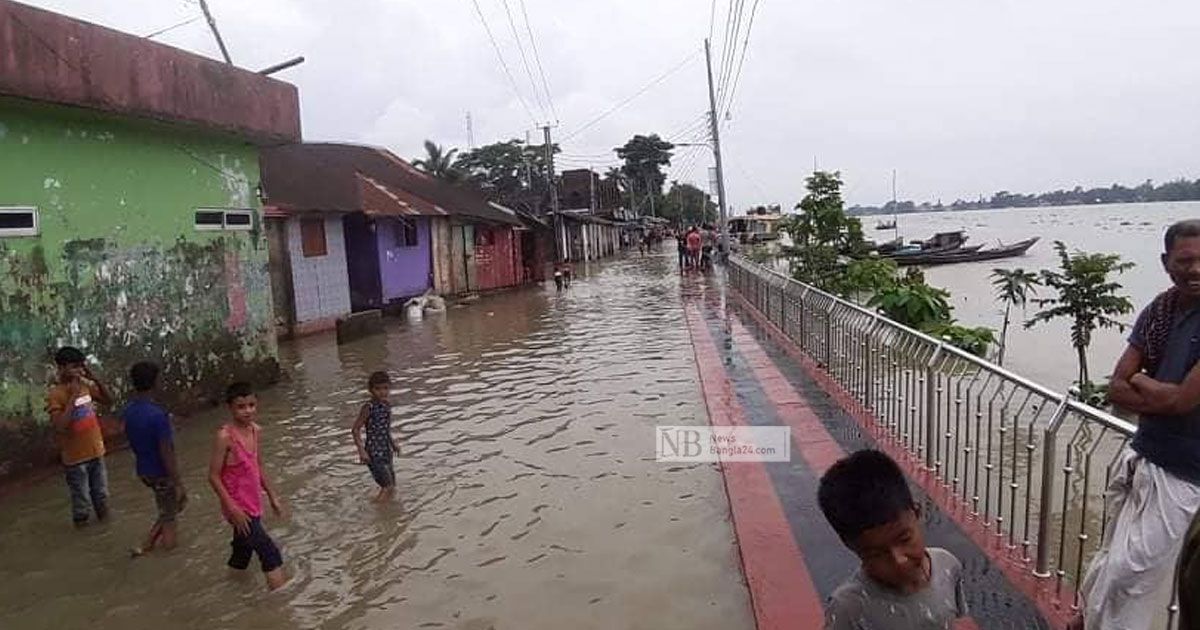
(405, 262)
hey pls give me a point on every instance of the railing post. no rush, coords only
(1045, 509)
(803, 339)
(829, 336)
(931, 409)
(869, 372)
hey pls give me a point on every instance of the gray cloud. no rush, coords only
(963, 97)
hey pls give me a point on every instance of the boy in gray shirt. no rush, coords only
(901, 584)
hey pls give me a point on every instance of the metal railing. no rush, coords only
(1029, 464)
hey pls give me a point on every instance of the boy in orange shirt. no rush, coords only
(72, 402)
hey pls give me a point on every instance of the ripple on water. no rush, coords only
(525, 486)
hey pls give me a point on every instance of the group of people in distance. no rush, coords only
(235, 471)
(696, 246)
(1153, 501)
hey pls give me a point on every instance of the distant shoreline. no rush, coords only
(871, 211)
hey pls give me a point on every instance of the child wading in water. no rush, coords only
(236, 474)
(380, 446)
(148, 429)
(71, 402)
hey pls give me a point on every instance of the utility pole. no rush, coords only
(650, 193)
(559, 245)
(470, 132)
(716, 136)
(212, 24)
(592, 189)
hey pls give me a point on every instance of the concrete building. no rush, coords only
(129, 220)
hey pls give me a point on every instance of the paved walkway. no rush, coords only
(792, 559)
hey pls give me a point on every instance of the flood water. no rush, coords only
(528, 494)
(1044, 353)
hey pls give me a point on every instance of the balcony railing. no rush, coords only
(1029, 464)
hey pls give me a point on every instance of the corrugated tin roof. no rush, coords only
(331, 177)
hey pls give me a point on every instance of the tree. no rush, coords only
(686, 205)
(438, 162)
(1013, 288)
(822, 233)
(645, 157)
(1086, 297)
(510, 173)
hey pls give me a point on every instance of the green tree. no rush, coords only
(1013, 288)
(866, 277)
(1086, 297)
(686, 205)
(822, 233)
(645, 157)
(510, 173)
(914, 304)
(438, 162)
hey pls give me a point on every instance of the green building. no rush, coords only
(130, 220)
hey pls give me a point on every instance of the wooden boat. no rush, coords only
(940, 243)
(959, 256)
(886, 225)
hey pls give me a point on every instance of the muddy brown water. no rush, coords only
(528, 493)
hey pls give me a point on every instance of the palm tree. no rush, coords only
(1013, 288)
(438, 162)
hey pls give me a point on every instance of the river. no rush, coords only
(1044, 353)
(528, 492)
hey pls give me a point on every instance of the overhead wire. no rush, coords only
(503, 64)
(729, 46)
(727, 104)
(537, 57)
(662, 77)
(172, 27)
(512, 25)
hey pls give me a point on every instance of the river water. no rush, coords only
(528, 493)
(1044, 353)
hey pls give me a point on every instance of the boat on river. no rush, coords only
(962, 255)
(942, 242)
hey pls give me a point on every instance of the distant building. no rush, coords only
(129, 217)
(354, 228)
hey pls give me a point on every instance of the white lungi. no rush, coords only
(1149, 513)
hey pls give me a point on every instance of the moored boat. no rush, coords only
(960, 256)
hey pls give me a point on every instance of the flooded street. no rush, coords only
(528, 492)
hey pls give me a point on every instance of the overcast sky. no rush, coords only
(962, 97)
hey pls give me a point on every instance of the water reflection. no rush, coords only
(528, 494)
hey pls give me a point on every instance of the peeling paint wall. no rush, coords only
(119, 268)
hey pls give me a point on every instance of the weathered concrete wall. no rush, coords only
(119, 268)
(321, 283)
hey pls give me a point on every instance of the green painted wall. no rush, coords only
(119, 268)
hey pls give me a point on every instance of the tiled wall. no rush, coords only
(321, 283)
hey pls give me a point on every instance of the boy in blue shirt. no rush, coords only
(148, 427)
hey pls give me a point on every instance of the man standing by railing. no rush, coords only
(1155, 489)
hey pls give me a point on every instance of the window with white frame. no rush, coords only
(224, 219)
(18, 221)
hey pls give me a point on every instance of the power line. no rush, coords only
(537, 56)
(696, 128)
(172, 27)
(625, 102)
(500, 56)
(745, 46)
(729, 46)
(524, 59)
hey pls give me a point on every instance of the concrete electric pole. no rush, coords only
(716, 138)
(559, 245)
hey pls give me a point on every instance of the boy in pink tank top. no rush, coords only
(236, 474)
